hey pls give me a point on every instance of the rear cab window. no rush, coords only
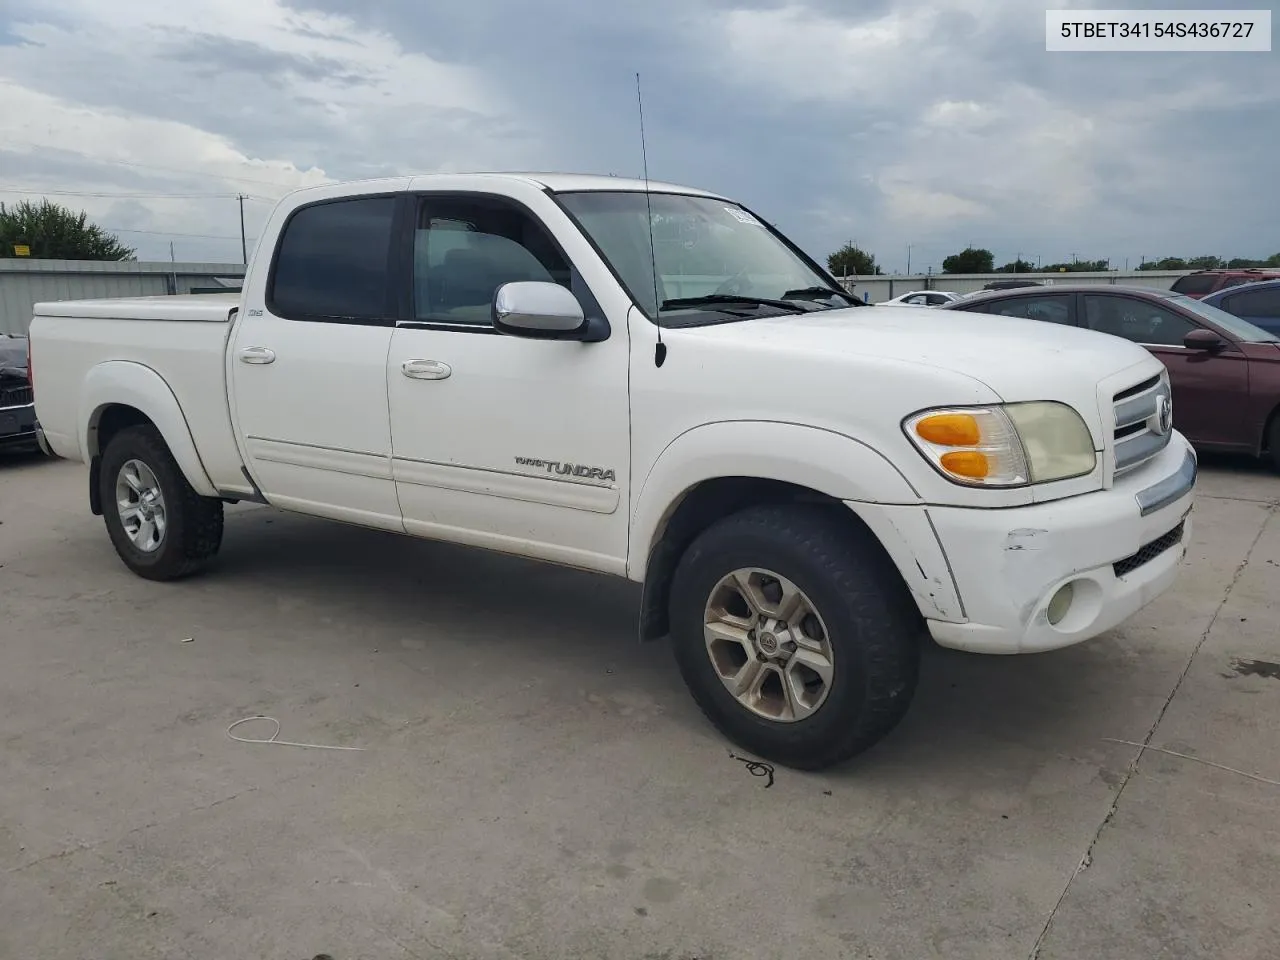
(1196, 284)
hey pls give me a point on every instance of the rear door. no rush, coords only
(1046, 307)
(1210, 390)
(309, 361)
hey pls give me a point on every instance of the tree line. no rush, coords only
(851, 260)
(49, 231)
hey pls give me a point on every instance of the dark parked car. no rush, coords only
(1010, 284)
(1225, 371)
(1258, 303)
(17, 403)
(1204, 282)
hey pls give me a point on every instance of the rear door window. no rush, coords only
(333, 262)
(1054, 308)
(1137, 320)
(1254, 303)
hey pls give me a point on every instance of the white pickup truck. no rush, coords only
(651, 382)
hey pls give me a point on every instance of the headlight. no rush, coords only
(1007, 445)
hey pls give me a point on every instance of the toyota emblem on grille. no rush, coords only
(1164, 416)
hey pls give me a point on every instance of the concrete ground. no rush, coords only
(535, 784)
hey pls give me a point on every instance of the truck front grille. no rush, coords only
(1143, 414)
(16, 396)
(1148, 553)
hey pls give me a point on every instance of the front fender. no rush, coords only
(138, 386)
(822, 460)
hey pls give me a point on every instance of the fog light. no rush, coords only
(1061, 603)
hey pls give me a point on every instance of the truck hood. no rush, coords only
(1016, 359)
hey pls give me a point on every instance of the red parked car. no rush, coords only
(1204, 282)
(1225, 372)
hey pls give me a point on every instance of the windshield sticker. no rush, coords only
(742, 216)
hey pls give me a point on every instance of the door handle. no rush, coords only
(425, 369)
(257, 355)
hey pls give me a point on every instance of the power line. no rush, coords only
(4, 188)
(170, 233)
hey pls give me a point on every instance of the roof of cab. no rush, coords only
(555, 182)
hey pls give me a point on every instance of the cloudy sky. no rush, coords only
(889, 122)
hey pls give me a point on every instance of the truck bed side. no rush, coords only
(183, 340)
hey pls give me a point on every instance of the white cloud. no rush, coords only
(225, 96)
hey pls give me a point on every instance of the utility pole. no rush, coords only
(908, 259)
(244, 247)
(1017, 261)
(173, 268)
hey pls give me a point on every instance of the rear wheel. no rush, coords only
(796, 637)
(161, 528)
(1273, 442)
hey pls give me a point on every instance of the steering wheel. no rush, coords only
(736, 285)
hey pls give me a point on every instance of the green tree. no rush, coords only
(852, 261)
(1168, 263)
(970, 260)
(54, 232)
(1206, 263)
(1078, 266)
(1017, 266)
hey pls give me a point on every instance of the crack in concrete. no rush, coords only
(1087, 859)
(94, 845)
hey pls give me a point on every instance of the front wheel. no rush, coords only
(161, 528)
(795, 635)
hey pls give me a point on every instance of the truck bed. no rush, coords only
(200, 307)
(182, 338)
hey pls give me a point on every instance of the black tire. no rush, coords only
(873, 627)
(193, 532)
(1273, 443)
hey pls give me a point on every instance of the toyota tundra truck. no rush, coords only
(652, 382)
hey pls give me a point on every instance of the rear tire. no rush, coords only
(847, 635)
(161, 528)
(1273, 443)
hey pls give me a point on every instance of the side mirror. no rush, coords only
(539, 309)
(1202, 339)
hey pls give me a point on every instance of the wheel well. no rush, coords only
(109, 421)
(700, 507)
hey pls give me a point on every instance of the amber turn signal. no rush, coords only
(950, 430)
(966, 463)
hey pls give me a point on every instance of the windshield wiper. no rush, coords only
(713, 299)
(809, 293)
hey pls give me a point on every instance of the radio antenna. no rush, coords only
(659, 351)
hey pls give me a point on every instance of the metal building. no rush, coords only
(25, 282)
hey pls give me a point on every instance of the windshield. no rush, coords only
(1240, 329)
(702, 247)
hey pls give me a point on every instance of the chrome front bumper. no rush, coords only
(1172, 488)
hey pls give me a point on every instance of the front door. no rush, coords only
(499, 441)
(1210, 390)
(309, 365)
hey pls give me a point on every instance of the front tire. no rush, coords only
(795, 634)
(161, 528)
